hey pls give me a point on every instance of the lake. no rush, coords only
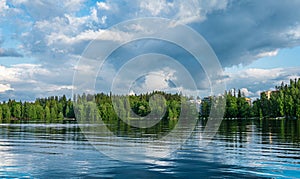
(241, 149)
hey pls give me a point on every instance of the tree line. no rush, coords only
(237, 105)
(92, 107)
(42, 109)
(101, 106)
(284, 101)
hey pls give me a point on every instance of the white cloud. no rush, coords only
(21, 73)
(155, 7)
(253, 81)
(9, 53)
(53, 33)
(103, 6)
(55, 39)
(246, 92)
(5, 87)
(232, 21)
(3, 6)
(52, 87)
(184, 12)
(88, 35)
(103, 19)
(45, 9)
(261, 74)
(189, 12)
(294, 32)
(93, 15)
(158, 80)
(268, 54)
(8, 74)
(29, 81)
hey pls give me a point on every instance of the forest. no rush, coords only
(93, 107)
(284, 101)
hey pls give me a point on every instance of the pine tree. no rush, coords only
(47, 114)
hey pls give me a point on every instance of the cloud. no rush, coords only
(3, 6)
(158, 81)
(155, 7)
(55, 33)
(253, 81)
(239, 32)
(103, 6)
(5, 87)
(9, 53)
(45, 9)
(29, 81)
(267, 54)
(87, 36)
(183, 11)
(245, 31)
(246, 92)
(22, 72)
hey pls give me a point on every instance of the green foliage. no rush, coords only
(1, 113)
(283, 102)
(231, 106)
(49, 109)
(60, 116)
(16, 110)
(47, 114)
(40, 113)
(100, 106)
(6, 112)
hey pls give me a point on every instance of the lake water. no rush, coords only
(241, 149)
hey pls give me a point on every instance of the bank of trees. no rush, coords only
(284, 101)
(44, 109)
(90, 107)
(236, 105)
(101, 106)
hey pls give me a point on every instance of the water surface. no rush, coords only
(241, 149)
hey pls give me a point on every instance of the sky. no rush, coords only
(41, 41)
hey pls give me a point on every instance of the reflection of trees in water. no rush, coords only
(27, 131)
(119, 113)
(265, 131)
(93, 109)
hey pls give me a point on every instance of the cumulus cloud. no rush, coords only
(9, 53)
(55, 33)
(28, 81)
(3, 6)
(5, 87)
(45, 9)
(156, 7)
(161, 80)
(253, 81)
(246, 92)
(157, 81)
(183, 11)
(246, 30)
(239, 32)
(267, 54)
(103, 6)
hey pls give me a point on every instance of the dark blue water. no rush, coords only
(241, 149)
